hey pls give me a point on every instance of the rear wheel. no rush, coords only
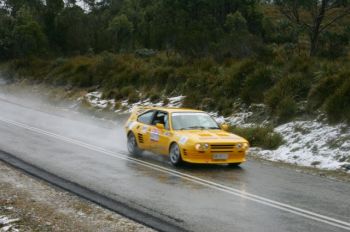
(175, 155)
(132, 145)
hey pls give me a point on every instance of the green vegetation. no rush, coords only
(278, 53)
(263, 137)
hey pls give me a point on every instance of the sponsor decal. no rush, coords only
(154, 134)
(167, 133)
(144, 129)
(183, 140)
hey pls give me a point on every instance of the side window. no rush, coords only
(161, 117)
(146, 117)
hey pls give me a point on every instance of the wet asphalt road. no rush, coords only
(198, 198)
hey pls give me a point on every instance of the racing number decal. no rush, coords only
(154, 134)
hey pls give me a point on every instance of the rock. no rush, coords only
(346, 166)
(315, 163)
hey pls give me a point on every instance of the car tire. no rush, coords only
(132, 145)
(175, 155)
(234, 165)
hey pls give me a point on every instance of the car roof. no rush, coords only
(172, 109)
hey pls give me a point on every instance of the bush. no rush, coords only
(191, 101)
(295, 86)
(133, 97)
(235, 78)
(112, 94)
(165, 101)
(155, 97)
(256, 84)
(286, 109)
(263, 137)
(325, 88)
(126, 91)
(338, 105)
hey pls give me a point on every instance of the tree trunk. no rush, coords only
(315, 31)
(313, 43)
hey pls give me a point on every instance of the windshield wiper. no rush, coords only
(213, 127)
(192, 127)
(196, 127)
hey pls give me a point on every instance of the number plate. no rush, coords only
(220, 156)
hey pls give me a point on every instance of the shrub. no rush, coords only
(338, 105)
(256, 84)
(126, 91)
(133, 97)
(224, 106)
(112, 94)
(295, 86)
(191, 101)
(263, 137)
(207, 104)
(324, 88)
(286, 109)
(154, 97)
(235, 78)
(81, 80)
(165, 101)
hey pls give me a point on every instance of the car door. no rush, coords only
(143, 129)
(160, 137)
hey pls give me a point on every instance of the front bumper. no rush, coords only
(207, 157)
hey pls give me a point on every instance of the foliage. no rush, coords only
(314, 17)
(216, 53)
(338, 105)
(28, 37)
(263, 137)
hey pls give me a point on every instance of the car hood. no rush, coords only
(211, 136)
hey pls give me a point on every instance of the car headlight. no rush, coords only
(202, 146)
(242, 146)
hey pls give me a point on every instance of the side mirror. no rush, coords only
(160, 126)
(224, 127)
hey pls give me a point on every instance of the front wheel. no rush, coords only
(175, 155)
(132, 145)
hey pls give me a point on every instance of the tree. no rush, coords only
(121, 29)
(314, 16)
(238, 41)
(52, 10)
(73, 30)
(6, 40)
(28, 36)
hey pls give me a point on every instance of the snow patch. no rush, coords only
(312, 143)
(96, 101)
(7, 224)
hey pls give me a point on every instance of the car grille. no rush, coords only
(140, 137)
(222, 147)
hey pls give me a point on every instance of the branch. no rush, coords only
(293, 16)
(347, 11)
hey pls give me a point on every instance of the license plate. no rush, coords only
(220, 156)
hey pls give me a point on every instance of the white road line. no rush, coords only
(230, 190)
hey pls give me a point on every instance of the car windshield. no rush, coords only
(193, 120)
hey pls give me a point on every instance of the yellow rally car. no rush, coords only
(185, 135)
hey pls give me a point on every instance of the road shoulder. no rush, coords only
(29, 204)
